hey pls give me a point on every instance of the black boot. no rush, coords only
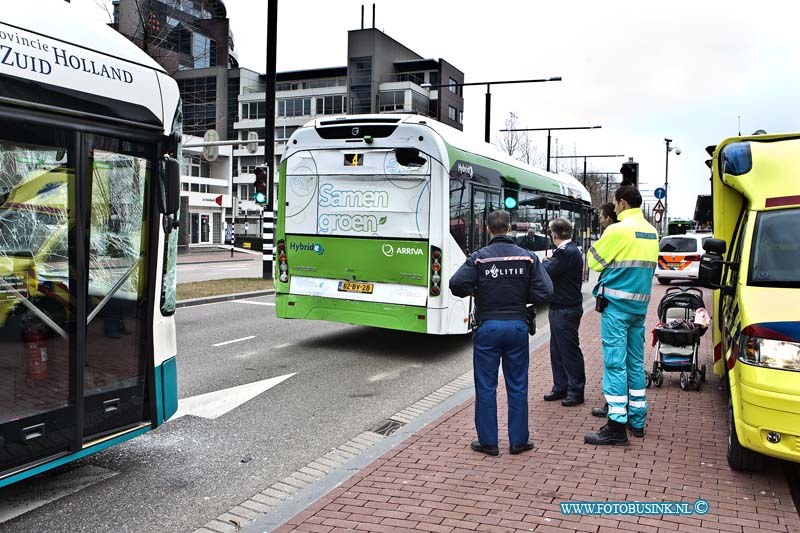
(484, 448)
(611, 433)
(600, 412)
(636, 432)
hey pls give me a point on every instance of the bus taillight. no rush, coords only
(283, 267)
(436, 266)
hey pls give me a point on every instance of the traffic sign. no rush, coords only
(659, 207)
(656, 216)
(210, 153)
(660, 193)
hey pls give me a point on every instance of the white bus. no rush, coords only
(89, 187)
(376, 212)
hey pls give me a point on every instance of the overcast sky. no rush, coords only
(685, 70)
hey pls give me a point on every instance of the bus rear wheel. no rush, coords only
(739, 457)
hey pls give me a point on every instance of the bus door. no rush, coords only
(484, 201)
(73, 289)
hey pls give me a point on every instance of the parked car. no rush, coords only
(679, 257)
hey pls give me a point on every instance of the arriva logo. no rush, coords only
(306, 247)
(465, 169)
(389, 250)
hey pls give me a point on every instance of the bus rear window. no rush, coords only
(678, 244)
(775, 259)
(358, 193)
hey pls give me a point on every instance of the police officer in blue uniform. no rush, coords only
(565, 268)
(504, 278)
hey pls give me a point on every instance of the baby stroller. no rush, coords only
(677, 338)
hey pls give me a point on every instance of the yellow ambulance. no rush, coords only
(753, 263)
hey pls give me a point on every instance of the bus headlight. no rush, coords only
(770, 353)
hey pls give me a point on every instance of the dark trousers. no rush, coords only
(506, 341)
(566, 358)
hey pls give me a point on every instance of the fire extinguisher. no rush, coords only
(37, 355)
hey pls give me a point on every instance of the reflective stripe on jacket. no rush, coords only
(503, 278)
(627, 255)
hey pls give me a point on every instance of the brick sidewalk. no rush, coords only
(434, 482)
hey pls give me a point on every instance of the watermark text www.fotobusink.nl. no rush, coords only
(634, 508)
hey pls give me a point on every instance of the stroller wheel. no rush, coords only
(696, 378)
(647, 380)
(703, 373)
(658, 378)
(684, 381)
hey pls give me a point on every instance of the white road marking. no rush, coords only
(234, 340)
(31, 494)
(284, 345)
(213, 405)
(392, 374)
(271, 304)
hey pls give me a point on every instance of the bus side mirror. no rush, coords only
(170, 197)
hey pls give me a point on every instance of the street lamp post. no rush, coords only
(548, 135)
(488, 95)
(666, 180)
(585, 157)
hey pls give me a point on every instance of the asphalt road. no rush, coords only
(346, 380)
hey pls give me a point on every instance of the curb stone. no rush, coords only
(222, 298)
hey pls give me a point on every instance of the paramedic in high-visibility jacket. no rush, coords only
(626, 255)
(503, 278)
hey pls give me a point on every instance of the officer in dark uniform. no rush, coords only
(503, 278)
(565, 268)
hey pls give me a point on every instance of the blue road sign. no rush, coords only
(660, 193)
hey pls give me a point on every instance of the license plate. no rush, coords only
(674, 265)
(355, 286)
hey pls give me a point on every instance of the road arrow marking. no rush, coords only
(213, 405)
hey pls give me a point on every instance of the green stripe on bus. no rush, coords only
(381, 315)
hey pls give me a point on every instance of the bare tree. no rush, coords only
(529, 153)
(106, 6)
(509, 141)
(169, 36)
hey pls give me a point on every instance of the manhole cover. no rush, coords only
(387, 428)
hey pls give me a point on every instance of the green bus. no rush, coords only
(680, 227)
(375, 212)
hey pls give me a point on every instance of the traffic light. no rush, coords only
(630, 173)
(511, 199)
(261, 193)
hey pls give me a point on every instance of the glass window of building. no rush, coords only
(331, 105)
(294, 107)
(392, 101)
(360, 85)
(199, 97)
(254, 110)
(323, 83)
(194, 165)
(420, 103)
(284, 132)
(451, 112)
(454, 87)
(286, 86)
